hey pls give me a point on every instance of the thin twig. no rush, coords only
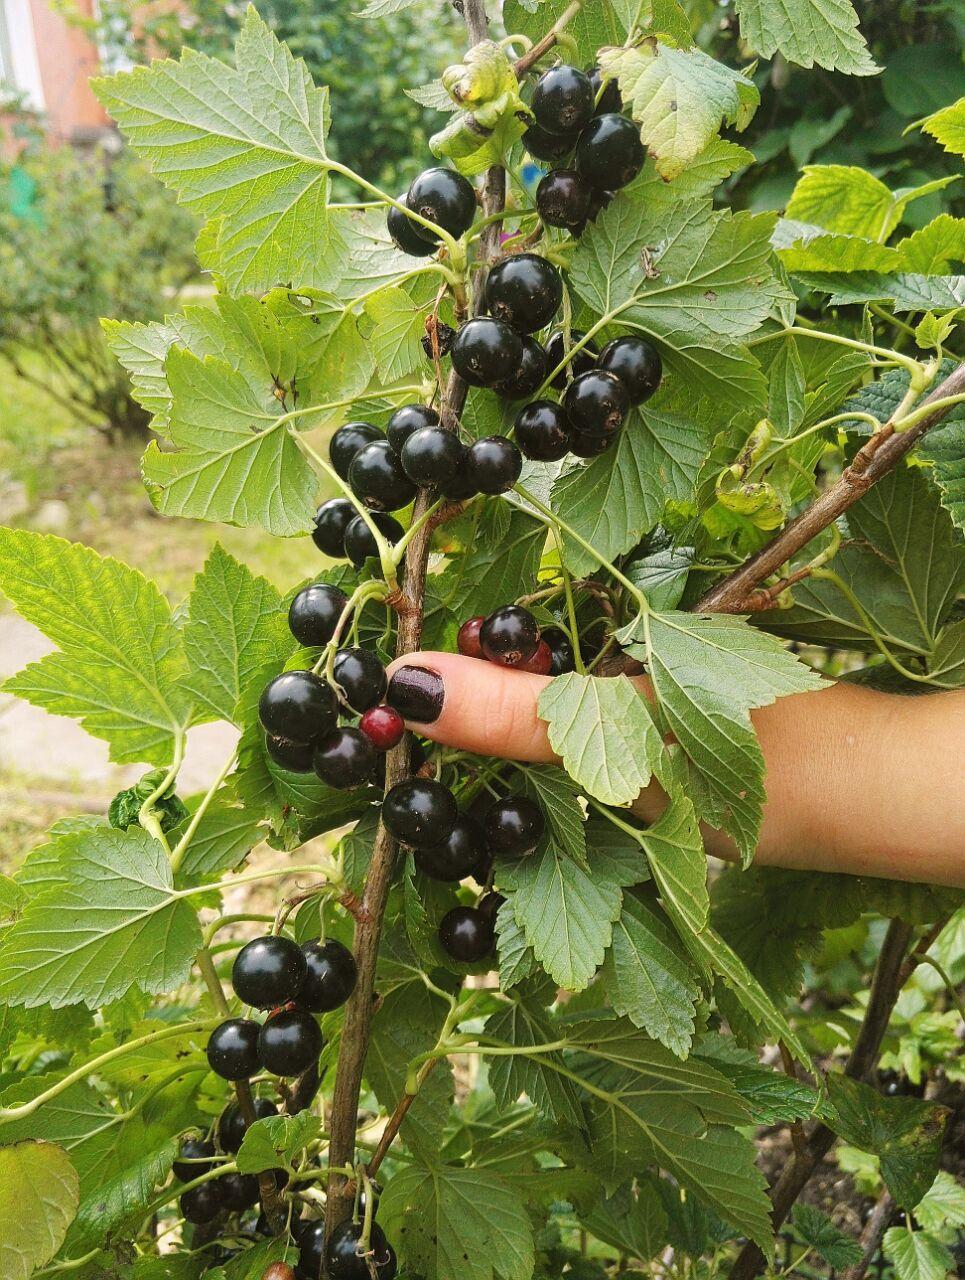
(871, 1237)
(524, 63)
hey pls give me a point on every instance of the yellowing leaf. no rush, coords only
(39, 1195)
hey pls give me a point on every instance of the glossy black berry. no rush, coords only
(563, 100)
(193, 1159)
(457, 855)
(514, 825)
(467, 641)
(405, 420)
(268, 972)
(419, 811)
(494, 464)
(232, 1126)
(561, 651)
(432, 456)
(314, 613)
(596, 403)
(383, 726)
(361, 677)
(376, 476)
(359, 542)
(610, 100)
(405, 232)
(201, 1205)
(563, 198)
(461, 488)
(636, 362)
(233, 1049)
(332, 974)
(486, 352)
(237, 1191)
(310, 1238)
(293, 757)
(345, 759)
(609, 153)
(347, 441)
(582, 362)
(344, 1256)
(445, 198)
(331, 520)
(297, 705)
(542, 145)
(543, 431)
(467, 935)
(584, 445)
(289, 1043)
(509, 636)
(489, 904)
(530, 375)
(525, 291)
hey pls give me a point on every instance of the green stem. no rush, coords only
(914, 367)
(181, 848)
(570, 607)
(364, 592)
(829, 575)
(147, 816)
(568, 354)
(911, 420)
(443, 235)
(224, 922)
(398, 550)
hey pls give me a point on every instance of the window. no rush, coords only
(19, 66)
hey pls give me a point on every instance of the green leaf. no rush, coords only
(648, 979)
(355, 849)
(917, 1255)
(816, 1229)
(807, 32)
(604, 732)
(399, 327)
(115, 1209)
(236, 634)
(516, 959)
(661, 574)
(591, 28)
(934, 248)
(803, 247)
(632, 1220)
(773, 1097)
(524, 1024)
(242, 146)
(276, 1141)
(677, 860)
(111, 925)
(223, 839)
(120, 666)
(232, 448)
(450, 1221)
(38, 1199)
(906, 291)
(942, 1205)
(850, 201)
(558, 798)
(708, 673)
(680, 98)
(905, 1133)
(948, 127)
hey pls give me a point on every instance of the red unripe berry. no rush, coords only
(541, 662)
(467, 641)
(383, 726)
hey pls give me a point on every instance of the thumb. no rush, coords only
(470, 704)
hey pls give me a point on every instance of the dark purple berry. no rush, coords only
(405, 232)
(377, 478)
(361, 678)
(525, 291)
(346, 443)
(636, 362)
(563, 100)
(514, 826)
(509, 636)
(610, 100)
(493, 464)
(201, 1205)
(457, 855)
(233, 1049)
(332, 974)
(445, 198)
(297, 705)
(314, 613)
(193, 1159)
(596, 403)
(232, 1126)
(548, 146)
(563, 198)
(345, 759)
(432, 456)
(293, 757)
(359, 541)
(486, 352)
(467, 935)
(529, 377)
(405, 420)
(289, 1042)
(331, 520)
(609, 153)
(268, 972)
(543, 431)
(419, 811)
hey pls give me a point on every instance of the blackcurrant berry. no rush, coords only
(237, 1191)
(582, 362)
(432, 456)
(561, 651)
(232, 1126)
(347, 441)
(445, 198)
(467, 641)
(563, 100)
(332, 974)
(486, 352)
(310, 1238)
(376, 476)
(383, 726)
(466, 934)
(541, 661)
(268, 972)
(509, 636)
(548, 146)
(314, 613)
(494, 464)
(563, 198)
(543, 432)
(297, 705)
(525, 291)
(419, 811)
(359, 541)
(361, 677)
(193, 1159)
(609, 153)
(293, 757)
(457, 855)
(530, 375)
(444, 338)
(584, 445)
(405, 232)
(514, 825)
(344, 1255)
(609, 100)
(201, 1205)
(331, 520)
(636, 362)
(345, 759)
(405, 420)
(233, 1049)
(388, 1269)
(289, 1042)
(489, 904)
(596, 403)
(461, 488)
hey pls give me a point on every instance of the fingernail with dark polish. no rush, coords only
(416, 693)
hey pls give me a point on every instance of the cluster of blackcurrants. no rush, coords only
(511, 637)
(293, 983)
(232, 1192)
